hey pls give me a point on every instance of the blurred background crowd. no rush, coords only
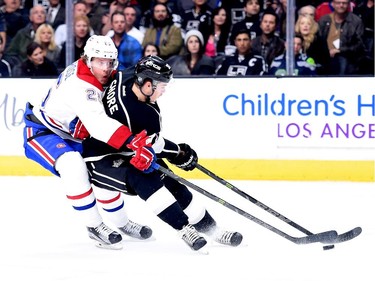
(197, 37)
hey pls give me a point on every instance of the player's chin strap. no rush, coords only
(148, 97)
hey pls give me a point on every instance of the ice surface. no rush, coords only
(42, 239)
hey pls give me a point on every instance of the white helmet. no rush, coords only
(98, 46)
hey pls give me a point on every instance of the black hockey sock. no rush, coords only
(206, 224)
(174, 216)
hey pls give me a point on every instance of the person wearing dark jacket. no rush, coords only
(194, 61)
(37, 64)
(342, 33)
(268, 44)
(243, 62)
(251, 22)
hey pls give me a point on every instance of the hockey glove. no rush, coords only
(144, 159)
(139, 140)
(186, 159)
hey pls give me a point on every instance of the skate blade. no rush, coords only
(101, 245)
(203, 251)
(137, 240)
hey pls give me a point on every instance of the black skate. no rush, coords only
(192, 237)
(136, 230)
(105, 237)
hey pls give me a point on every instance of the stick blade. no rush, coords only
(324, 237)
(346, 236)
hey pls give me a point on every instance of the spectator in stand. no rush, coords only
(37, 64)
(5, 68)
(15, 18)
(199, 17)
(55, 13)
(251, 22)
(129, 49)
(268, 45)
(313, 3)
(219, 34)
(281, 13)
(16, 51)
(303, 65)
(272, 4)
(164, 33)
(312, 45)
(243, 62)
(234, 10)
(120, 6)
(79, 9)
(183, 5)
(327, 8)
(3, 29)
(342, 33)
(44, 36)
(95, 13)
(81, 35)
(130, 18)
(365, 10)
(151, 49)
(307, 10)
(194, 61)
(146, 19)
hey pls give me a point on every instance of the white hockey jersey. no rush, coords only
(76, 99)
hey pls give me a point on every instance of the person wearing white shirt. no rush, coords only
(130, 29)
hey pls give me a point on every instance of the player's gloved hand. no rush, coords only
(144, 159)
(78, 130)
(139, 140)
(186, 159)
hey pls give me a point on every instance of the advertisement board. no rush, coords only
(260, 128)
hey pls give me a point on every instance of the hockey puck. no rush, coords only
(328, 247)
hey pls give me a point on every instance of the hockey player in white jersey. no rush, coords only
(71, 111)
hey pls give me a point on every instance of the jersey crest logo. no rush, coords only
(117, 163)
(235, 70)
(252, 62)
(60, 145)
(192, 24)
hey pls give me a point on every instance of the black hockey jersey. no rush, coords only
(122, 104)
(199, 21)
(246, 66)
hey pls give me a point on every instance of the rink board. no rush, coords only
(242, 128)
(238, 169)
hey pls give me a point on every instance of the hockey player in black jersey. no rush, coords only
(131, 99)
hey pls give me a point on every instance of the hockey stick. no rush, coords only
(340, 238)
(319, 237)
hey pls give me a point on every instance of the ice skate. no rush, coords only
(135, 230)
(192, 237)
(225, 237)
(105, 237)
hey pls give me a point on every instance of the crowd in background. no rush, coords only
(197, 37)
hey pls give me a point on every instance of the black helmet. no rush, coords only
(153, 68)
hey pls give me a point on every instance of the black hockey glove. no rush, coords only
(186, 159)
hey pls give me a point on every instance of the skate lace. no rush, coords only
(102, 229)
(189, 234)
(224, 237)
(132, 228)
